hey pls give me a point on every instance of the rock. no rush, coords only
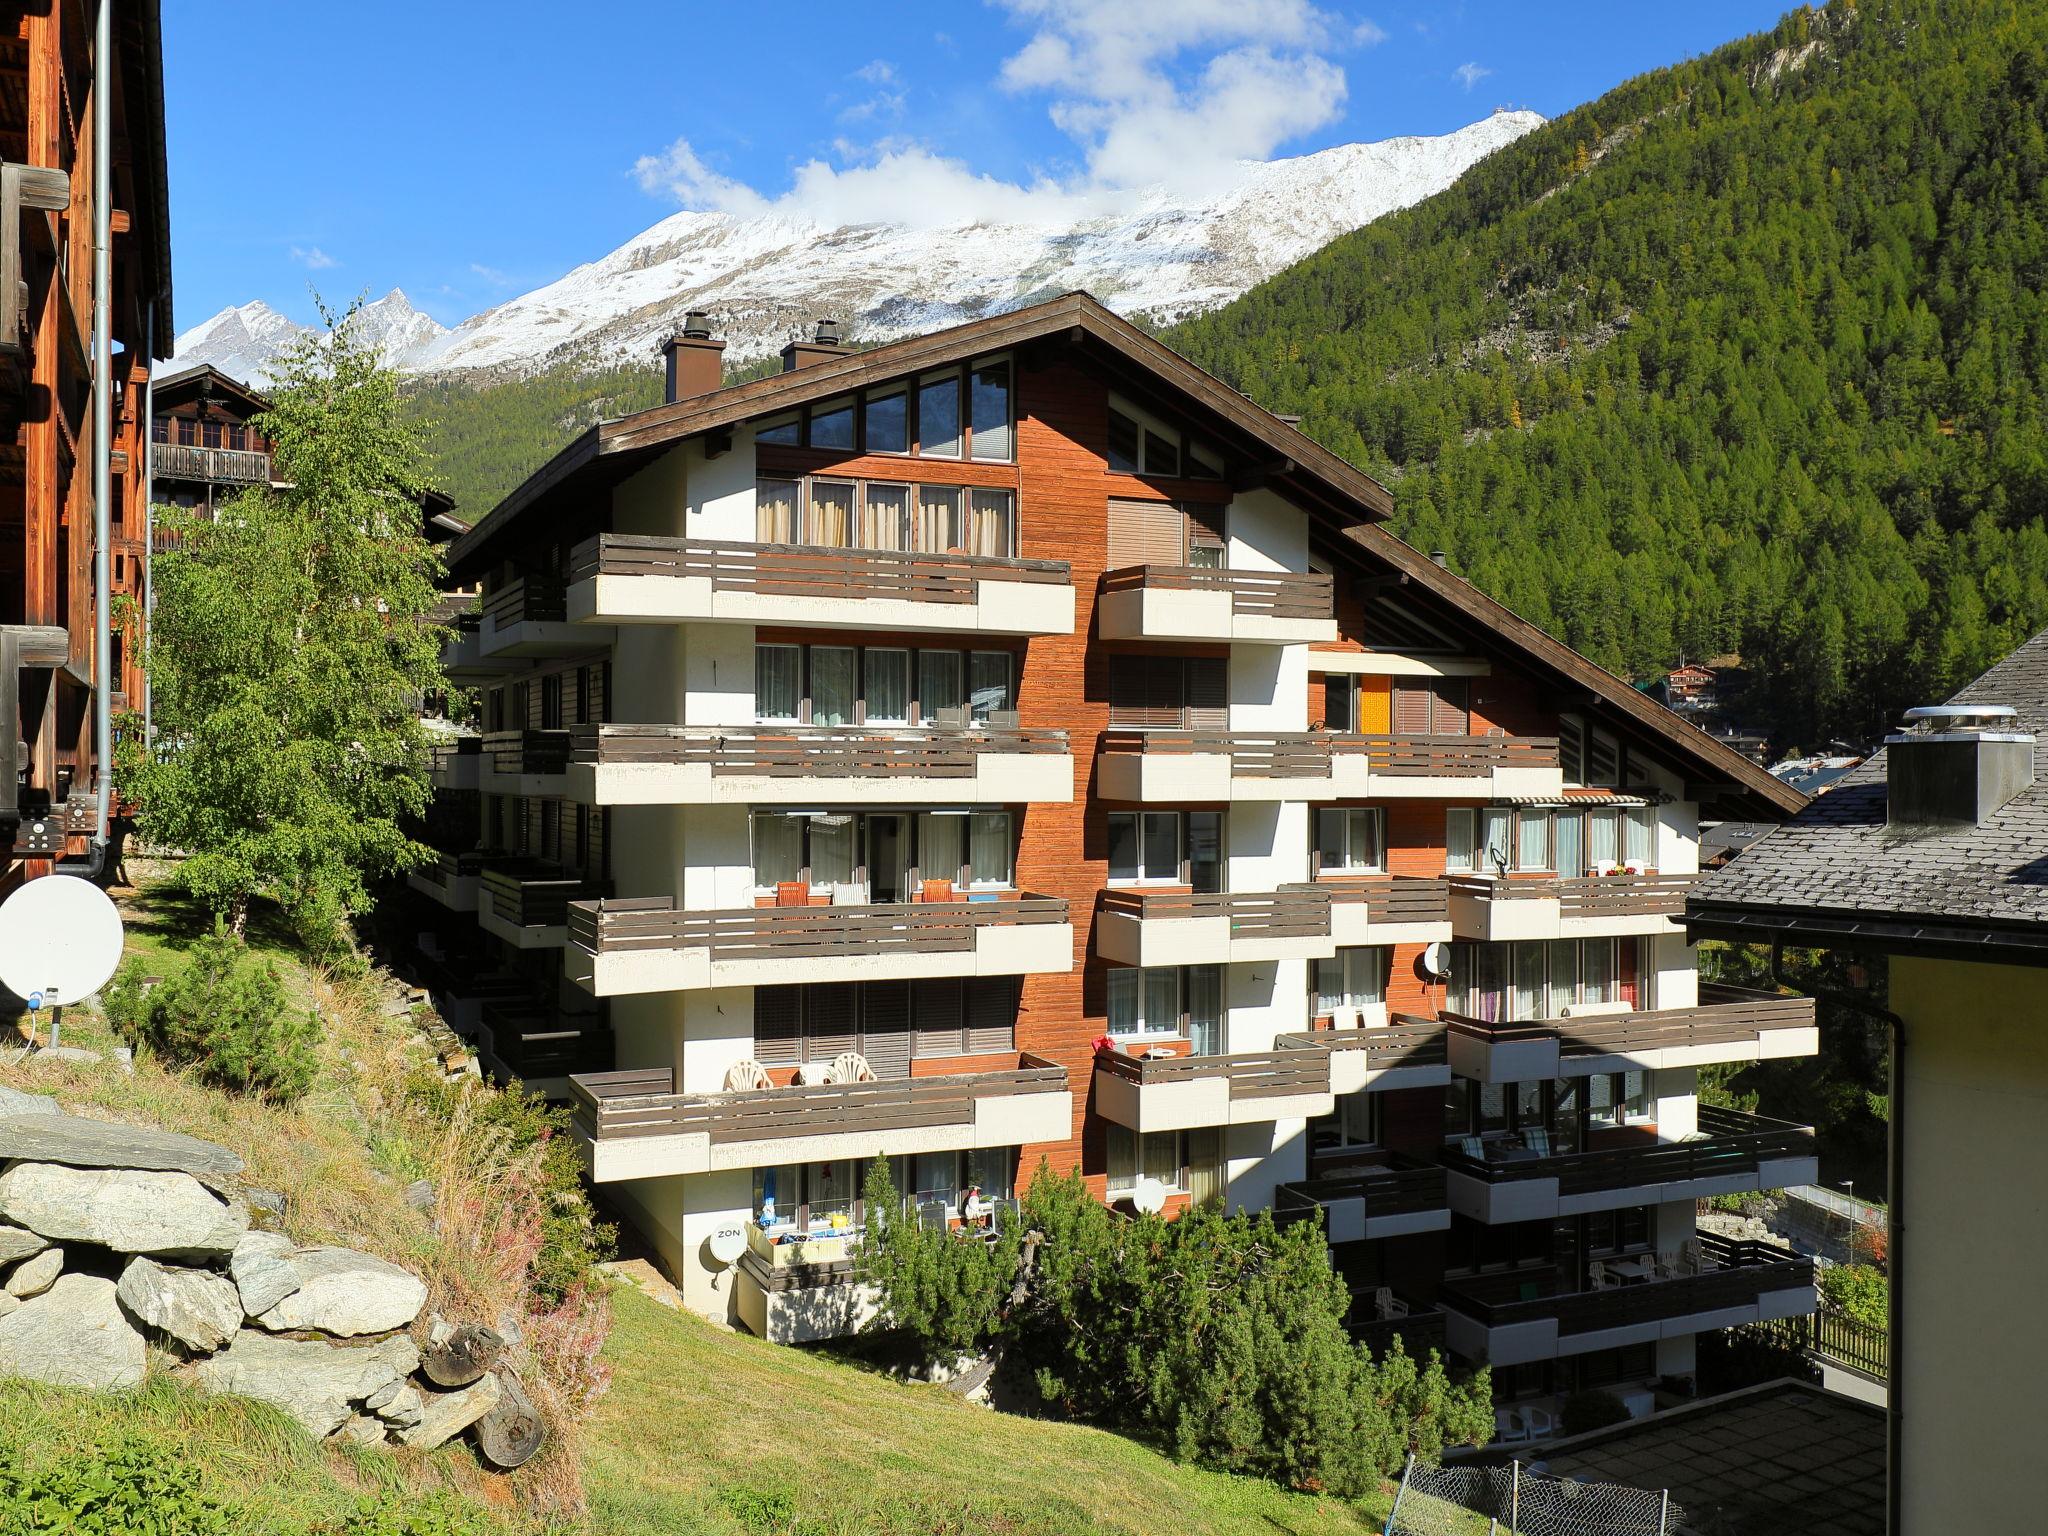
(448, 1414)
(419, 1194)
(508, 1328)
(19, 1243)
(73, 1335)
(162, 1213)
(405, 1408)
(360, 1429)
(310, 1379)
(439, 1329)
(510, 1433)
(382, 1396)
(7, 1303)
(345, 1293)
(262, 1274)
(14, 1102)
(37, 1275)
(80, 1143)
(266, 1206)
(75, 1054)
(196, 1308)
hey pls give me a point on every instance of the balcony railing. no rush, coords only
(1729, 1143)
(1449, 756)
(527, 752)
(796, 933)
(1393, 1188)
(443, 754)
(531, 894)
(1294, 912)
(1252, 754)
(1285, 1073)
(534, 598)
(1732, 1016)
(1408, 1041)
(445, 868)
(1262, 594)
(792, 570)
(1420, 1330)
(532, 1042)
(1387, 899)
(219, 466)
(810, 752)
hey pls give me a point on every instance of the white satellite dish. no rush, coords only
(726, 1244)
(1436, 960)
(60, 939)
(1149, 1196)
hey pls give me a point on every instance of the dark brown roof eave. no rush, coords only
(1891, 933)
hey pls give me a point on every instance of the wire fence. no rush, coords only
(1515, 1501)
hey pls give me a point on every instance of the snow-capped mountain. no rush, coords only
(765, 278)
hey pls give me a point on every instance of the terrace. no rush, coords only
(1543, 907)
(1728, 1024)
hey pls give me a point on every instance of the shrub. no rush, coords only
(126, 1487)
(394, 1513)
(224, 1015)
(1860, 1291)
(1584, 1412)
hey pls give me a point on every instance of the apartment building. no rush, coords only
(1011, 748)
(1926, 864)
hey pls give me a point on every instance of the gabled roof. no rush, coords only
(172, 388)
(1837, 872)
(612, 449)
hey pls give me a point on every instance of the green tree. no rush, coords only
(291, 641)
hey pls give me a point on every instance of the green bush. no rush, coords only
(1584, 1412)
(129, 1488)
(1860, 1291)
(225, 1015)
(394, 1513)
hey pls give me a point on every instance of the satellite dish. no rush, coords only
(727, 1244)
(1149, 1196)
(60, 939)
(1436, 960)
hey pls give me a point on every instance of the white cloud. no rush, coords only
(313, 258)
(1469, 75)
(1149, 97)
(493, 276)
(1368, 34)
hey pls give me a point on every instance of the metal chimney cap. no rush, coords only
(827, 333)
(1954, 712)
(696, 325)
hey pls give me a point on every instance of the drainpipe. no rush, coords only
(102, 417)
(148, 527)
(1895, 1219)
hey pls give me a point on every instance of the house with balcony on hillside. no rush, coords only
(1010, 748)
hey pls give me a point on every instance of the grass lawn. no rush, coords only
(707, 1431)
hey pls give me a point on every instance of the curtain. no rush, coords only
(832, 689)
(888, 687)
(1206, 1177)
(1205, 1009)
(831, 850)
(1564, 975)
(1528, 998)
(1596, 962)
(778, 850)
(939, 846)
(1532, 840)
(938, 684)
(1161, 1155)
(1640, 841)
(1602, 841)
(1570, 831)
(1162, 1001)
(831, 517)
(775, 508)
(776, 695)
(1122, 983)
(942, 531)
(1123, 1159)
(1458, 839)
(1497, 853)
(995, 518)
(886, 517)
(990, 847)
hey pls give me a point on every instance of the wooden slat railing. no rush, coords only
(220, 466)
(1739, 1273)
(530, 1041)
(444, 867)
(1293, 912)
(779, 751)
(1253, 754)
(1405, 1041)
(1267, 594)
(1730, 1143)
(1251, 1074)
(529, 894)
(530, 751)
(795, 570)
(1419, 1332)
(1723, 1016)
(1397, 1188)
(1592, 896)
(1449, 756)
(443, 753)
(538, 597)
(797, 933)
(619, 1105)
(1389, 898)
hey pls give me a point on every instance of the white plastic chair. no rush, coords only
(849, 1067)
(811, 1073)
(747, 1076)
(1540, 1423)
(1596, 1272)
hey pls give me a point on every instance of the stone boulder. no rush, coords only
(263, 1274)
(196, 1309)
(14, 1102)
(19, 1243)
(168, 1214)
(36, 1275)
(73, 1335)
(447, 1414)
(315, 1382)
(78, 1143)
(344, 1293)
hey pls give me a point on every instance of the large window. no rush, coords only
(1169, 692)
(1353, 1125)
(1351, 840)
(1184, 1162)
(843, 685)
(1141, 443)
(886, 515)
(1167, 848)
(1168, 1000)
(938, 415)
(1352, 981)
(989, 418)
(858, 850)
(1521, 982)
(889, 1022)
(1500, 840)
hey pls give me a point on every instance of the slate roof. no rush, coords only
(1836, 867)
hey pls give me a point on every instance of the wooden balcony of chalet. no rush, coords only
(1385, 909)
(1512, 1178)
(1488, 908)
(649, 944)
(1188, 602)
(1519, 1316)
(527, 615)
(526, 901)
(1386, 1196)
(982, 764)
(1728, 1024)
(635, 1125)
(209, 466)
(525, 762)
(627, 578)
(456, 762)
(1134, 926)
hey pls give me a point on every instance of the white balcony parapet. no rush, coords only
(1141, 927)
(1486, 908)
(1730, 1024)
(1186, 602)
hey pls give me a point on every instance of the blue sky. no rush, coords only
(468, 152)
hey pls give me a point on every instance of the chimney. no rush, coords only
(1441, 558)
(822, 347)
(696, 362)
(1952, 765)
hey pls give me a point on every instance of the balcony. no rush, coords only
(452, 879)
(456, 762)
(787, 765)
(527, 616)
(1509, 1180)
(1187, 602)
(1419, 1327)
(520, 1038)
(1147, 927)
(462, 653)
(1391, 1197)
(650, 945)
(1499, 1320)
(630, 579)
(636, 1126)
(1385, 909)
(1210, 767)
(211, 466)
(1407, 1053)
(1728, 1024)
(1541, 907)
(525, 762)
(1449, 767)
(526, 902)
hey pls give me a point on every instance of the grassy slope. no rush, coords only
(695, 1414)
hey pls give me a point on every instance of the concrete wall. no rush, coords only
(1975, 1203)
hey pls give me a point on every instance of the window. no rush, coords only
(832, 424)
(1169, 692)
(1144, 847)
(1154, 1000)
(832, 684)
(1532, 840)
(989, 847)
(1603, 841)
(942, 525)
(1203, 462)
(1340, 702)
(828, 516)
(810, 848)
(160, 429)
(938, 684)
(1162, 457)
(778, 850)
(1354, 1123)
(776, 504)
(1349, 840)
(1161, 1155)
(1641, 837)
(938, 416)
(1616, 1099)
(988, 678)
(1354, 979)
(1496, 851)
(210, 433)
(1123, 443)
(551, 702)
(786, 429)
(840, 685)
(994, 531)
(1140, 443)
(885, 518)
(1459, 826)
(989, 411)
(886, 696)
(888, 421)
(941, 844)
(1525, 981)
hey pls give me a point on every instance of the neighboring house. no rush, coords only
(204, 446)
(1022, 718)
(1689, 686)
(1933, 856)
(52, 677)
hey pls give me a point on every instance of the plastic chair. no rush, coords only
(1596, 1274)
(747, 1076)
(792, 893)
(849, 1067)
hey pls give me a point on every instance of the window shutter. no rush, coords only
(938, 1017)
(1145, 533)
(1411, 712)
(885, 1027)
(991, 1014)
(1629, 972)
(1375, 706)
(1205, 529)
(831, 1020)
(1449, 715)
(1145, 692)
(1208, 693)
(778, 1026)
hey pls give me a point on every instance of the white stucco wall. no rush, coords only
(1266, 532)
